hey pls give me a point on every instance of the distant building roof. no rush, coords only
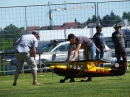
(30, 28)
(33, 28)
(67, 25)
(90, 25)
(24, 32)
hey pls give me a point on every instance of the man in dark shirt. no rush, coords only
(118, 39)
(99, 42)
(81, 42)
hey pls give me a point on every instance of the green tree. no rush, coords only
(126, 16)
(118, 18)
(110, 20)
(94, 18)
(88, 21)
(78, 23)
(75, 20)
(12, 31)
(10, 34)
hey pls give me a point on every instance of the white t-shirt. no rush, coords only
(26, 42)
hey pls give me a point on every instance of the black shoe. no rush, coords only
(89, 79)
(62, 81)
(14, 84)
(72, 80)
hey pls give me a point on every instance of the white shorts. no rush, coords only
(25, 57)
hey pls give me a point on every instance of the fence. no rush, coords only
(58, 20)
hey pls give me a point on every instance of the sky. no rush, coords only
(16, 15)
(5, 3)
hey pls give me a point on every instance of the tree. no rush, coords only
(126, 16)
(94, 18)
(10, 34)
(88, 21)
(110, 20)
(78, 23)
(118, 18)
(75, 20)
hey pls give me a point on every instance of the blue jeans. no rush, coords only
(100, 54)
(90, 53)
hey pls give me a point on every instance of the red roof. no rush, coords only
(67, 26)
(30, 28)
(33, 28)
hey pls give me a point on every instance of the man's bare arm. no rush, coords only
(76, 51)
(34, 52)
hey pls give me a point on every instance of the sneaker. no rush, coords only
(127, 68)
(86, 80)
(36, 83)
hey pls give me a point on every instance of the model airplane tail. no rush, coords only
(88, 68)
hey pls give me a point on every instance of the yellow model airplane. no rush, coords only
(87, 68)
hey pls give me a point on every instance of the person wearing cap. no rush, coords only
(118, 39)
(99, 42)
(81, 42)
(25, 48)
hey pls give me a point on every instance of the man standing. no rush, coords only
(99, 42)
(25, 47)
(118, 39)
(81, 42)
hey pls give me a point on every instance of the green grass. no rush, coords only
(50, 86)
(3, 66)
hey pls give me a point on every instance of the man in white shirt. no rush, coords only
(25, 48)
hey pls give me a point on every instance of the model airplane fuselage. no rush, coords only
(87, 68)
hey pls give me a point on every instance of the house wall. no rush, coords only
(46, 35)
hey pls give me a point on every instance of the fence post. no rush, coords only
(2, 63)
(65, 34)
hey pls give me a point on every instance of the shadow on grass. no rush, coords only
(116, 78)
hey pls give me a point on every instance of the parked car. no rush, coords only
(11, 68)
(60, 49)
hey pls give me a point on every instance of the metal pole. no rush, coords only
(23, 69)
(50, 16)
(65, 34)
(2, 63)
(40, 63)
(25, 20)
(95, 10)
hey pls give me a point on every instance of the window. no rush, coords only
(62, 48)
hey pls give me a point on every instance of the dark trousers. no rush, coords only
(120, 52)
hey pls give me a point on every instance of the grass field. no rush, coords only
(50, 86)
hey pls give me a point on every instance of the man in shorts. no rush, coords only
(25, 52)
